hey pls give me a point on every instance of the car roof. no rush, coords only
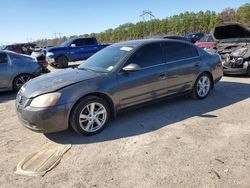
(141, 42)
(9, 52)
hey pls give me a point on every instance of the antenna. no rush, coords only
(147, 15)
(57, 34)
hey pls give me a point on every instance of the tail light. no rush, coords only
(43, 63)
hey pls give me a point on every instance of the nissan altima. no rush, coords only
(115, 78)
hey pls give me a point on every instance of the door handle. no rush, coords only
(163, 76)
(197, 65)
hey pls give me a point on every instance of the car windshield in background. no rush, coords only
(106, 59)
(189, 36)
(235, 40)
(66, 43)
(204, 39)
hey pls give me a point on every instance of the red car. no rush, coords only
(206, 42)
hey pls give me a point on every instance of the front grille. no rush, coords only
(21, 100)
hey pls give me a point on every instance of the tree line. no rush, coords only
(180, 24)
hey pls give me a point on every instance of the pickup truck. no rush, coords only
(72, 50)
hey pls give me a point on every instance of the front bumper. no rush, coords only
(43, 120)
(228, 70)
(242, 70)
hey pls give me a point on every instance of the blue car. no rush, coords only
(72, 50)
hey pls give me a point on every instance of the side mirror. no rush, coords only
(73, 45)
(131, 68)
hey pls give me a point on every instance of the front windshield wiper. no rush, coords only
(87, 69)
(92, 70)
(82, 68)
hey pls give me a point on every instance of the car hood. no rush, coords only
(51, 49)
(230, 30)
(54, 81)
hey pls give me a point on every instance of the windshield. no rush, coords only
(204, 39)
(106, 60)
(67, 43)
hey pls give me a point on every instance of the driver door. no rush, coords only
(142, 85)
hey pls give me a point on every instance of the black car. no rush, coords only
(177, 37)
(117, 77)
(194, 37)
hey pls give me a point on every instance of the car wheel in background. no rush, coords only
(90, 115)
(202, 86)
(20, 80)
(248, 69)
(62, 62)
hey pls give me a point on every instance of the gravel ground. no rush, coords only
(175, 143)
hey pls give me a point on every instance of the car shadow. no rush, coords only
(7, 96)
(236, 75)
(152, 117)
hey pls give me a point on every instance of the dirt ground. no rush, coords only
(176, 143)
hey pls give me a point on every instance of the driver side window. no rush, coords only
(3, 58)
(147, 56)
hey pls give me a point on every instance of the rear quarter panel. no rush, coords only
(21, 65)
(211, 63)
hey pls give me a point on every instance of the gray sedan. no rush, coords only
(117, 77)
(16, 70)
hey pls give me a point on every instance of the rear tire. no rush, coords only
(90, 116)
(202, 86)
(20, 80)
(248, 70)
(62, 62)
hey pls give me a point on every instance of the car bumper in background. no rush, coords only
(227, 70)
(230, 70)
(50, 60)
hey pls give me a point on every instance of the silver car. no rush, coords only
(16, 70)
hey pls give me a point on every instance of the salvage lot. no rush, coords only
(179, 142)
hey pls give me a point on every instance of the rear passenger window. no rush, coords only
(148, 55)
(3, 58)
(175, 51)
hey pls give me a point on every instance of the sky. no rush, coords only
(29, 20)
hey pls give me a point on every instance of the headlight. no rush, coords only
(45, 100)
(240, 52)
(49, 54)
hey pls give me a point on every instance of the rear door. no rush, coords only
(90, 47)
(5, 71)
(84, 48)
(182, 64)
(78, 50)
(144, 84)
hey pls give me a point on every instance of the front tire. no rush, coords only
(90, 116)
(62, 62)
(202, 86)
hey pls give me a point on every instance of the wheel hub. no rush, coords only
(93, 117)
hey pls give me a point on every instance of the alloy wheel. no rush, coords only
(22, 80)
(93, 117)
(203, 86)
